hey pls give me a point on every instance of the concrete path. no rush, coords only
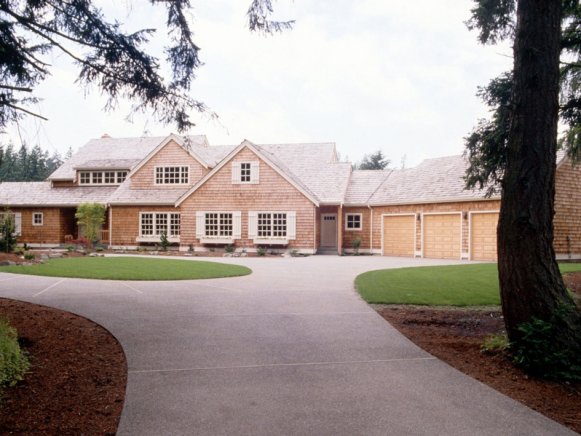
(288, 350)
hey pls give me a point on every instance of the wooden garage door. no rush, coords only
(398, 235)
(483, 236)
(442, 238)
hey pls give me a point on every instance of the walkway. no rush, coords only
(288, 350)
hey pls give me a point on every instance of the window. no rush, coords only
(353, 221)
(102, 177)
(153, 225)
(37, 219)
(272, 225)
(218, 225)
(245, 172)
(172, 175)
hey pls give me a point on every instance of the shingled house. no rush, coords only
(280, 196)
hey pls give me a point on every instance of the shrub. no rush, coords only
(229, 248)
(13, 362)
(163, 241)
(261, 251)
(494, 344)
(540, 352)
(19, 251)
(356, 243)
(70, 248)
(29, 256)
(91, 216)
(7, 229)
(294, 253)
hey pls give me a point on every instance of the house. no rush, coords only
(280, 196)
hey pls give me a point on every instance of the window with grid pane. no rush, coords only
(174, 224)
(171, 175)
(97, 178)
(218, 224)
(353, 221)
(245, 172)
(109, 177)
(146, 224)
(272, 225)
(121, 176)
(160, 223)
(85, 178)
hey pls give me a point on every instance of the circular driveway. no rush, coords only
(288, 350)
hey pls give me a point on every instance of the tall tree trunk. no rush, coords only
(530, 281)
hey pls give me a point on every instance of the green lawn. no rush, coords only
(129, 268)
(456, 285)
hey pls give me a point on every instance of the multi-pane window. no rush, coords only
(353, 221)
(272, 225)
(174, 224)
(245, 172)
(109, 177)
(37, 219)
(102, 177)
(172, 175)
(155, 224)
(219, 224)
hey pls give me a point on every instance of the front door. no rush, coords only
(329, 230)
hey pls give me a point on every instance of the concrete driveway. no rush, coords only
(288, 350)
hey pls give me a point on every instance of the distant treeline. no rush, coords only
(26, 165)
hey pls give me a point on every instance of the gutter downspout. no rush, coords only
(370, 229)
(110, 226)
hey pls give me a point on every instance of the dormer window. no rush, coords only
(172, 175)
(102, 177)
(245, 172)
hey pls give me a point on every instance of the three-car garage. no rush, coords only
(440, 235)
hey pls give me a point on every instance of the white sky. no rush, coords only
(366, 74)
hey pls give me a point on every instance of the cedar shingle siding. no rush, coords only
(303, 180)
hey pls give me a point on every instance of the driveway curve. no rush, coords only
(288, 350)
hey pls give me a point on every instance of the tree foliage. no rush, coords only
(374, 161)
(91, 216)
(27, 166)
(486, 144)
(118, 63)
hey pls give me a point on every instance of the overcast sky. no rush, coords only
(398, 76)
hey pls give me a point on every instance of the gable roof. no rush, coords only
(267, 158)
(433, 181)
(188, 143)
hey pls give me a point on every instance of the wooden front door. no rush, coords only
(329, 230)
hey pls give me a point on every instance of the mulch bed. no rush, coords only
(77, 378)
(456, 336)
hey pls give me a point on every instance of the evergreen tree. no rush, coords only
(374, 161)
(517, 148)
(117, 63)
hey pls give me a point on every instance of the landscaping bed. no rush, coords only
(455, 335)
(77, 376)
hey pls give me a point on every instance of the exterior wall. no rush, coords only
(125, 222)
(485, 205)
(567, 220)
(272, 194)
(170, 155)
(364, 234)
(52, 230)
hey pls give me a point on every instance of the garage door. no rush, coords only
(442, 238)
(483, 236)
(398, 235)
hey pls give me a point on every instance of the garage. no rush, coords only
(483, 235)
(399, 233)
(442, 235)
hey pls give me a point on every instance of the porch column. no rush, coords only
(340, 229)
